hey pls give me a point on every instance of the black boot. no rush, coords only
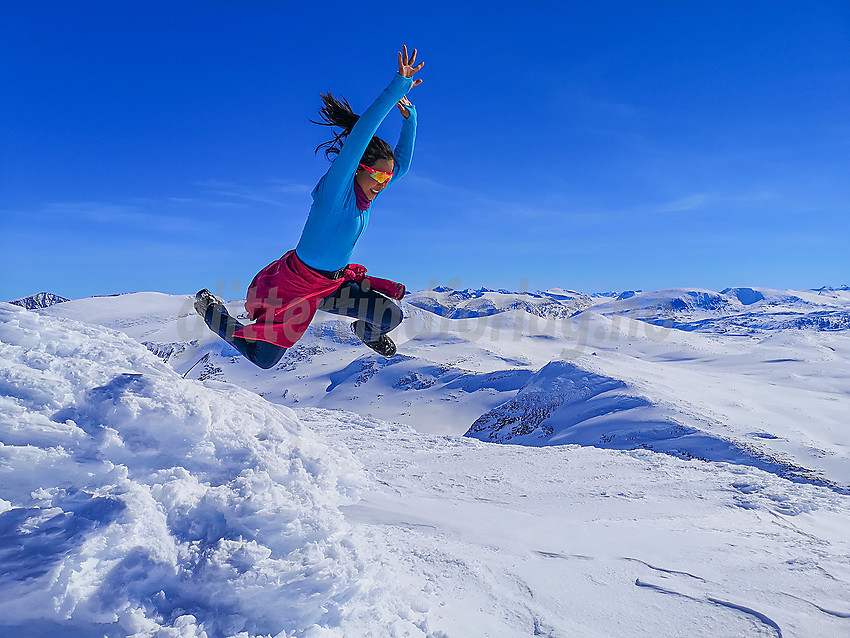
(204, 299)
(383, 345)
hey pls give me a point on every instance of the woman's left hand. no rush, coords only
(405, 65)
(402, 105)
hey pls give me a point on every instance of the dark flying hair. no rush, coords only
(338, 113)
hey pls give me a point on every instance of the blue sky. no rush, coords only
(593, 146)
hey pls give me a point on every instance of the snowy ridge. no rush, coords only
(459, 304)
(563, 404)
(735, 310)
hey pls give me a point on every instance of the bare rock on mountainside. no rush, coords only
(39, 300)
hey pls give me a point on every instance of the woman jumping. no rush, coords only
(284, 296)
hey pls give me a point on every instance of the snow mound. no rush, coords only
(134, 502)
(746, 296)
(563, 403)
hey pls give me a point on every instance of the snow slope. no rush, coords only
(775, 395)
(577, 541)
(136, 502)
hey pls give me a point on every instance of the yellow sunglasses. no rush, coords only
(379, 176)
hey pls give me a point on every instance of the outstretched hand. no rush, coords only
(402, 105)
(405, 65)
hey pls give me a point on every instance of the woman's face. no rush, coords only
(370, 186)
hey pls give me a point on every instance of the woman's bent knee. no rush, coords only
(266, 355)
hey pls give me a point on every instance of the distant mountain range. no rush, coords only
(483, 302)
(556, 303)
(735, 310)
(739, 310)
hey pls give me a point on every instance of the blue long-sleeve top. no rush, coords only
(335, 224)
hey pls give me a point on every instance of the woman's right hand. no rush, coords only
(405, 65)
(402, 105)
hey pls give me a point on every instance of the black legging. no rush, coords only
(376, 315)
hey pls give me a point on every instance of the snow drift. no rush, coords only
(135, 502)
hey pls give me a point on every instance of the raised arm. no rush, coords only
(339, 176)
(404, 149)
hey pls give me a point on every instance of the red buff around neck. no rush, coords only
(363, 202)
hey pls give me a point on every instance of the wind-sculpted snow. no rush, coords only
(563, 403)
(512, 540)
(134, 502)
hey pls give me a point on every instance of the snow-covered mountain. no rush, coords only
(459, 304)
(134, 501)
(736, 310)
(39, 300)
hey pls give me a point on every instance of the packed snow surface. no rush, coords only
(701, 490)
